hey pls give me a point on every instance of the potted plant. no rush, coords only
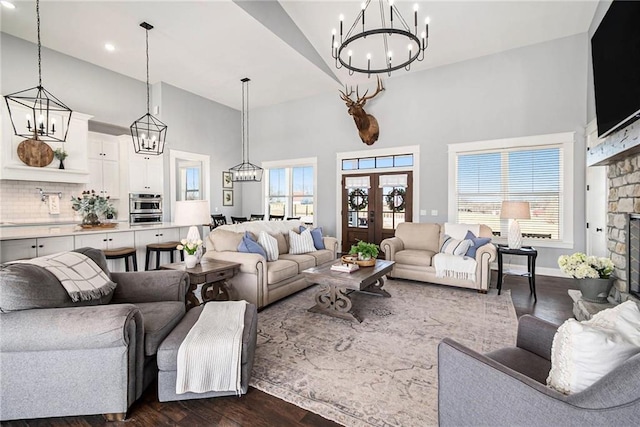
(366, 252)
(593, 275)
(91, 206)
(60, 154)
(191, 248)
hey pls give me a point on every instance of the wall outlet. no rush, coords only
(217, 209)
(423, 212)
(434, 212)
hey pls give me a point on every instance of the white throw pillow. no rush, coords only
(454, 246)
(584, 352)
(301, 243)
(270, 245)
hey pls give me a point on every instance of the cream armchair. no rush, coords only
(414, 246)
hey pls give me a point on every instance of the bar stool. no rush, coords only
(158, 248)
(123, 253)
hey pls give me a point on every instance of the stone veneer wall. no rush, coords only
(624, 198)
(20, 201)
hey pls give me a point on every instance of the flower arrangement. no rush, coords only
(60, 154)
(581, 266)
(90, 202)
(190, 246)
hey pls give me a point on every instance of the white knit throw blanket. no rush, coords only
(80, 276)
(455, 266)
(209, 358)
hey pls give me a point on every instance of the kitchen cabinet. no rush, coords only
(146, 173)
(145, 237)
(12, 250)
(76, 164)
(103, 161)
(108, 241)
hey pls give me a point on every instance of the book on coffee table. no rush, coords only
(346, 268)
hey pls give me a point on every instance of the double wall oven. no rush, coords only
(145, 208)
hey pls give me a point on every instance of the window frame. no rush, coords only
(564, 140)
(290, 164)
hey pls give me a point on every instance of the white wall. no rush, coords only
(534, 90)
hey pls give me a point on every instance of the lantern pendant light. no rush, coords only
(148, 132)
(35, 113)
(245, 171)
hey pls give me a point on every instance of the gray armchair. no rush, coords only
(60, 358)
(507, 387)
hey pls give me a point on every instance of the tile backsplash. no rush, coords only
(20, 201)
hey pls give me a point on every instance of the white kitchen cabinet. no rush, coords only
(145, 237)
(12, 250)
(104, 170)
(76, 165)
(146, 174)
(125, 239)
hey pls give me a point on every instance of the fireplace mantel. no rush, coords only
(616, 147)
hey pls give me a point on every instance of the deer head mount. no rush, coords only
(367, 124)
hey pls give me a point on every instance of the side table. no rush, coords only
(531, 254)
(212, 274)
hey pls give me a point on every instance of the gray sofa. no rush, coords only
(507, 387)
(60, 358)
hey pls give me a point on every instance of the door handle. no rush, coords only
(598, 229)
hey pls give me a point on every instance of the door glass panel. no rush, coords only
(393, 207)
(358, 204)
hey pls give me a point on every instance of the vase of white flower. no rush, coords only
(191, 249)
(592, 274)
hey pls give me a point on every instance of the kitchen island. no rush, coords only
(33, 240)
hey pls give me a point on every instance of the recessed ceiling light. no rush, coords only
(7, 4)
(109, 47)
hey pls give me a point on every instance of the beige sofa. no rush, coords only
(414, 246)
(258, 281)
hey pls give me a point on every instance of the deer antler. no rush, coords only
(347, 96)
(363, 100)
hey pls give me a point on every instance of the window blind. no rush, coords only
(485, 179)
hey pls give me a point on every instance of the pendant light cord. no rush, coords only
(147, 39)
(39, 45)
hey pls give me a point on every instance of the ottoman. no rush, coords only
(168, 355)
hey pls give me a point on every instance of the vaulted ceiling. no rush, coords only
(206, 47)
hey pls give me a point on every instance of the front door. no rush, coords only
(371, 212)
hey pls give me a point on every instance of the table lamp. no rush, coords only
(193, 213)
(513, 211)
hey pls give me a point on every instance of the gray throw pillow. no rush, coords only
(26, 286)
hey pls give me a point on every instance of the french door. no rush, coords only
(373, 205)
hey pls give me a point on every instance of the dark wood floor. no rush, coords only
(257, 409)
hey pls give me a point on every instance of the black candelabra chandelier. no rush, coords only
(35, 113)
(245, 171)
(148, 132)
(399, 45)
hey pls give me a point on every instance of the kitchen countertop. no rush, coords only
(23, 231)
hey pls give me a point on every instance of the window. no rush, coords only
(192, 190)
(529, 169)
(402, 160)
(291, 191)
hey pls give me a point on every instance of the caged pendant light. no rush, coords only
(148, 132)
(245, 171)
(35, 113)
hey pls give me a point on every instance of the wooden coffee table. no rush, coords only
(212, 274)
(335, 286)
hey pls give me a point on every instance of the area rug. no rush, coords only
(383, 371)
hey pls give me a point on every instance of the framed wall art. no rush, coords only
(226, 180)
(227, 197)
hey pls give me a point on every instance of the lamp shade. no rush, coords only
(515, 210)
(192, 212)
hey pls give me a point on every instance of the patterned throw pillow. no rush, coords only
(301, 243)
(270, 245)
(316, 235)
(454, 246)
(248, 245)
(476, 242)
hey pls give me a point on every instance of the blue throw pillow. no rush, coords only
(477, 242)
(248, 245)
(316, 235)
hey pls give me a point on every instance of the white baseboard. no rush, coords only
(540, 271)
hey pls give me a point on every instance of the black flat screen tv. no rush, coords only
(615, 48)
